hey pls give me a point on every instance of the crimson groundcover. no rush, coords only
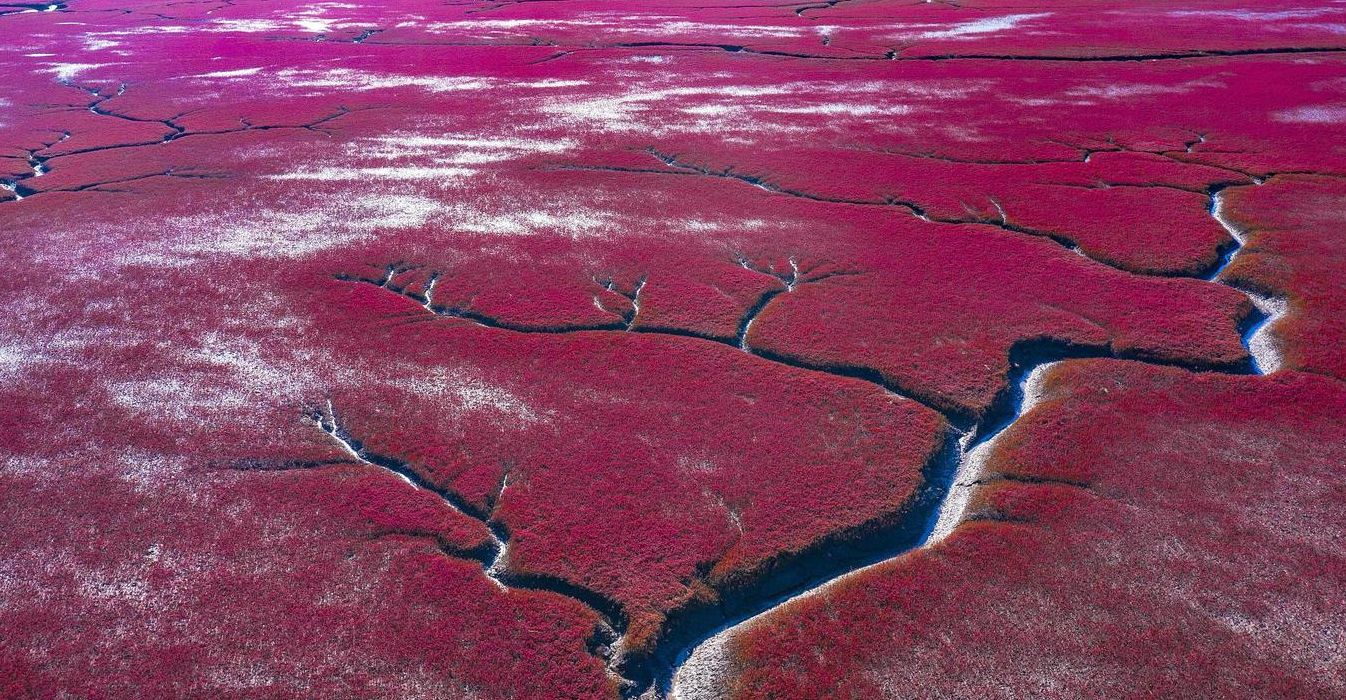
(719, 349)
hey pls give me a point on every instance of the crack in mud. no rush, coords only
(1086, 154)
(41, 163)
(37, 165)
(632, 297)
(327, 420)
(606, 640)
(1001, 221)
(628, 323)
(896, 54)
(930, 514)
(697, 671)
(788, 282)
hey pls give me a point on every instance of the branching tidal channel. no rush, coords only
(692, 645)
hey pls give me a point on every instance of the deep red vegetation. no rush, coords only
(1296, 251)
(712, 284)
(663, 469)
(319, 582)
(1143, 532)
(1089, 200)
(992, 294)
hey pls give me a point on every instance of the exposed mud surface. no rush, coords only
(566, 349)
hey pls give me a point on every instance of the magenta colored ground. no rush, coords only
(698, 350)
